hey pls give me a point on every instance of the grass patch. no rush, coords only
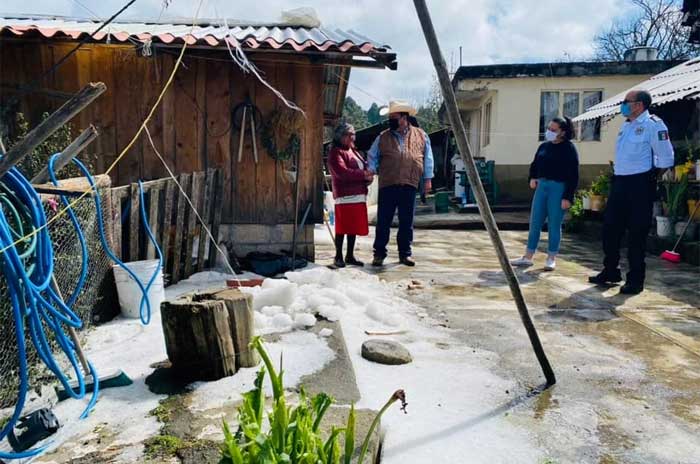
(163, 446)
(168, 446)
(164, 411)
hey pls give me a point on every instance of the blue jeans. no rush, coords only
(403, 198)
(546, 204)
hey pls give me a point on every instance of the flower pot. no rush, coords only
(586, 203)
(664, 226)
(691, 208)
(690, 231)
(597, 202)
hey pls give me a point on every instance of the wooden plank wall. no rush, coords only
(191, 128)
(172, 222)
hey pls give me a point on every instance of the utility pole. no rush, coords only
(484, 208)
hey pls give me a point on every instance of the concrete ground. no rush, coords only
(628, 368)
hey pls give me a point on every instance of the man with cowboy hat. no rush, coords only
(402, 157)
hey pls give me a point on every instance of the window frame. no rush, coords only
(578, 131)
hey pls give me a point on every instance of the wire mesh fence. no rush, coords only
(97, 301)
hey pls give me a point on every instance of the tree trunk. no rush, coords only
(208, 335)
(198, 338)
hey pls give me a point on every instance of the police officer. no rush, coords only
(643, 149)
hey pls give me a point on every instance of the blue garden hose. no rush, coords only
(35, 305)
(28, 269)
(145, 306)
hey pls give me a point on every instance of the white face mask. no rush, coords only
(550, 136)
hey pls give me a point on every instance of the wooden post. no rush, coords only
(217, 205)
(153, 221)
(166, 227)
(54, 122)
(67, 155)
(134, 216)
(198, 338)
(192, 221)
(484, 208)
(206, 212)
(186, 183)
(117, 223)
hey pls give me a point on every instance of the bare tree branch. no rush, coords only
(656, 23)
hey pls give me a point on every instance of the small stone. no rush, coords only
(385, 352)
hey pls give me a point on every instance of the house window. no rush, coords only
(571, 104)
(487, 124)
(590, 130)
(549, 109)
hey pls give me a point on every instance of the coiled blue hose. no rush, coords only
(28, 270)
(35, 305)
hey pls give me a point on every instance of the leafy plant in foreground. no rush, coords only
(293, 435)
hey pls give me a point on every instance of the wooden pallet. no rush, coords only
(172, 221)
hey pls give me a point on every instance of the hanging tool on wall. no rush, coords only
(245, 114)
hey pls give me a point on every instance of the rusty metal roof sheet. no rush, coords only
(205, 32)
(677, 83)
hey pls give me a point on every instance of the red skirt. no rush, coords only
(351, 219)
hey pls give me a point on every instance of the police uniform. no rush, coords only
(642, 146)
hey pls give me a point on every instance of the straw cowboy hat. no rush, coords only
(398, 106)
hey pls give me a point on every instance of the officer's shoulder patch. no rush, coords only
(655, 118)
(663, 135)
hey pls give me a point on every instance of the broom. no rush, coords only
(671, 255)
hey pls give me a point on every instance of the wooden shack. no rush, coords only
(193, 127)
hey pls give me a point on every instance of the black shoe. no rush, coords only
(338, 262)
(378, 261)
(353, 262)
(605, 278)
(631, 289)
(407, 261)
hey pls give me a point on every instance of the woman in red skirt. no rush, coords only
(350, 180)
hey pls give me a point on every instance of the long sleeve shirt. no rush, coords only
(374, 156)
(557, 162)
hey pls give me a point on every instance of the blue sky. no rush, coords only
(489, 31)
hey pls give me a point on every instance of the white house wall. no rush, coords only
(515, 115)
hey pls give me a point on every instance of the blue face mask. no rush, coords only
(626, 109)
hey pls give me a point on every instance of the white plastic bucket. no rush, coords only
(129, 292)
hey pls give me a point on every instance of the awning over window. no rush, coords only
(678, 83)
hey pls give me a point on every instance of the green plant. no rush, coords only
(675, 197)
(294, 434)
(601, 185)
(576, 212)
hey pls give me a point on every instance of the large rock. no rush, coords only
(385, 352)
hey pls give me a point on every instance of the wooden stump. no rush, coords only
(207, 335)
(240, 308)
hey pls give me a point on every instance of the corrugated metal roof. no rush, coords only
(677, 83)
(207, 33)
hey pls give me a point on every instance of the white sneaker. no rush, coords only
(521, 262)
(550, 264)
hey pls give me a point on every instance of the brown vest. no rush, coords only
(397, 167)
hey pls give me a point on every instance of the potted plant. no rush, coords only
(600, 188)
(585, 199)
(673, 204)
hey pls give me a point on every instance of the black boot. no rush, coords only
(606, 278)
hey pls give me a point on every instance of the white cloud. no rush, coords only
(489, 31)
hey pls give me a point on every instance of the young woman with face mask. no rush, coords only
(554, 177)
